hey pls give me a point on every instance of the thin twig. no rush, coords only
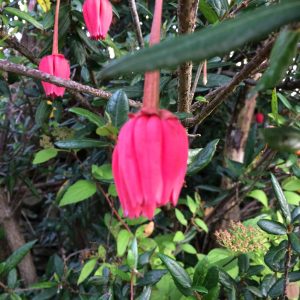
(136, 22)
(287, 264)
(8, 66)
(132, 285)
(113, 208)
(196, 80)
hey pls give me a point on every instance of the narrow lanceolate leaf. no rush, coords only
(179, 275)
(213, 41)
(118, 108)
(203, 158)
(23, 15)
(272, 227)
(13, 260)
(281, 199)
(208, 11)
(92, 117)
(281, 57)
(81, 144)
(285, 138)
(79, 191)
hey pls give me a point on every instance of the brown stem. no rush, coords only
(136, 22)
(113, 208)
(55, 34)
(187, 13)
(218, 96)
(286, 267)
(15, 240)
(132, 285)
(70, 84)
(151, 85)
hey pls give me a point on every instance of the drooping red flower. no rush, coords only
(259, 117)
(149, 162)
(150, 158)
(97, 15)
(56, 65)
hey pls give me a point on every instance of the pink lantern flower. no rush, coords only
(55, 64)
(97, 15)
(150, 158)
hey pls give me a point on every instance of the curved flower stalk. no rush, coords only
(97, 15)
(55, 64)
(150, 158)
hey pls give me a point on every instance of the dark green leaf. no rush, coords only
(23, 15)
(212, 278)
(81, 144)
(267, 283)
(92, 117)
(146, 294)
(277, 288)
(42, 113)
(151, 277)
(272, 227)
(275, 257)
(144, 258)
(227, 280)
(200, 272)
(179, 275)
(13, 260)
(254, 270)
(213, 293)
(209, 42)
(281, 57)
(243, 263)
(295, 242)
(203, 158)
(200, 289)
(281, 199)
(118, 108)
(286, 139)
(296, 215)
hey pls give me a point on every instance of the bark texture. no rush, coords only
(15, 240)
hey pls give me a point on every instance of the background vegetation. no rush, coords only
(234, 233)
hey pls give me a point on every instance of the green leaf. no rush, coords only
(292, 198)
(260, 196)
(96, 119)
(43, 285)
(179, 236)
(291, 184)
(151, 277)
(103, 172)
(146, 294)
(213, 294)
(281, 199)
(188, 249)
(286, 139)
(14, 259)
(123, 240)
(209, 42)
(274, 105)
(272, 227)
(179, 275)
(275, 257)
(282, 55)
(200, 272)
(135, 253)
(200, 223)
(118, 108)
(24, 16)
(79, 191)
(295, 242)
(284, 101)
(44, 155)
(200, 289)
(42, 113)
(203, 158)
(81, 144)
(243, 263)
(208, 12)
(87, 270)
(191, 204)
(180, 217)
